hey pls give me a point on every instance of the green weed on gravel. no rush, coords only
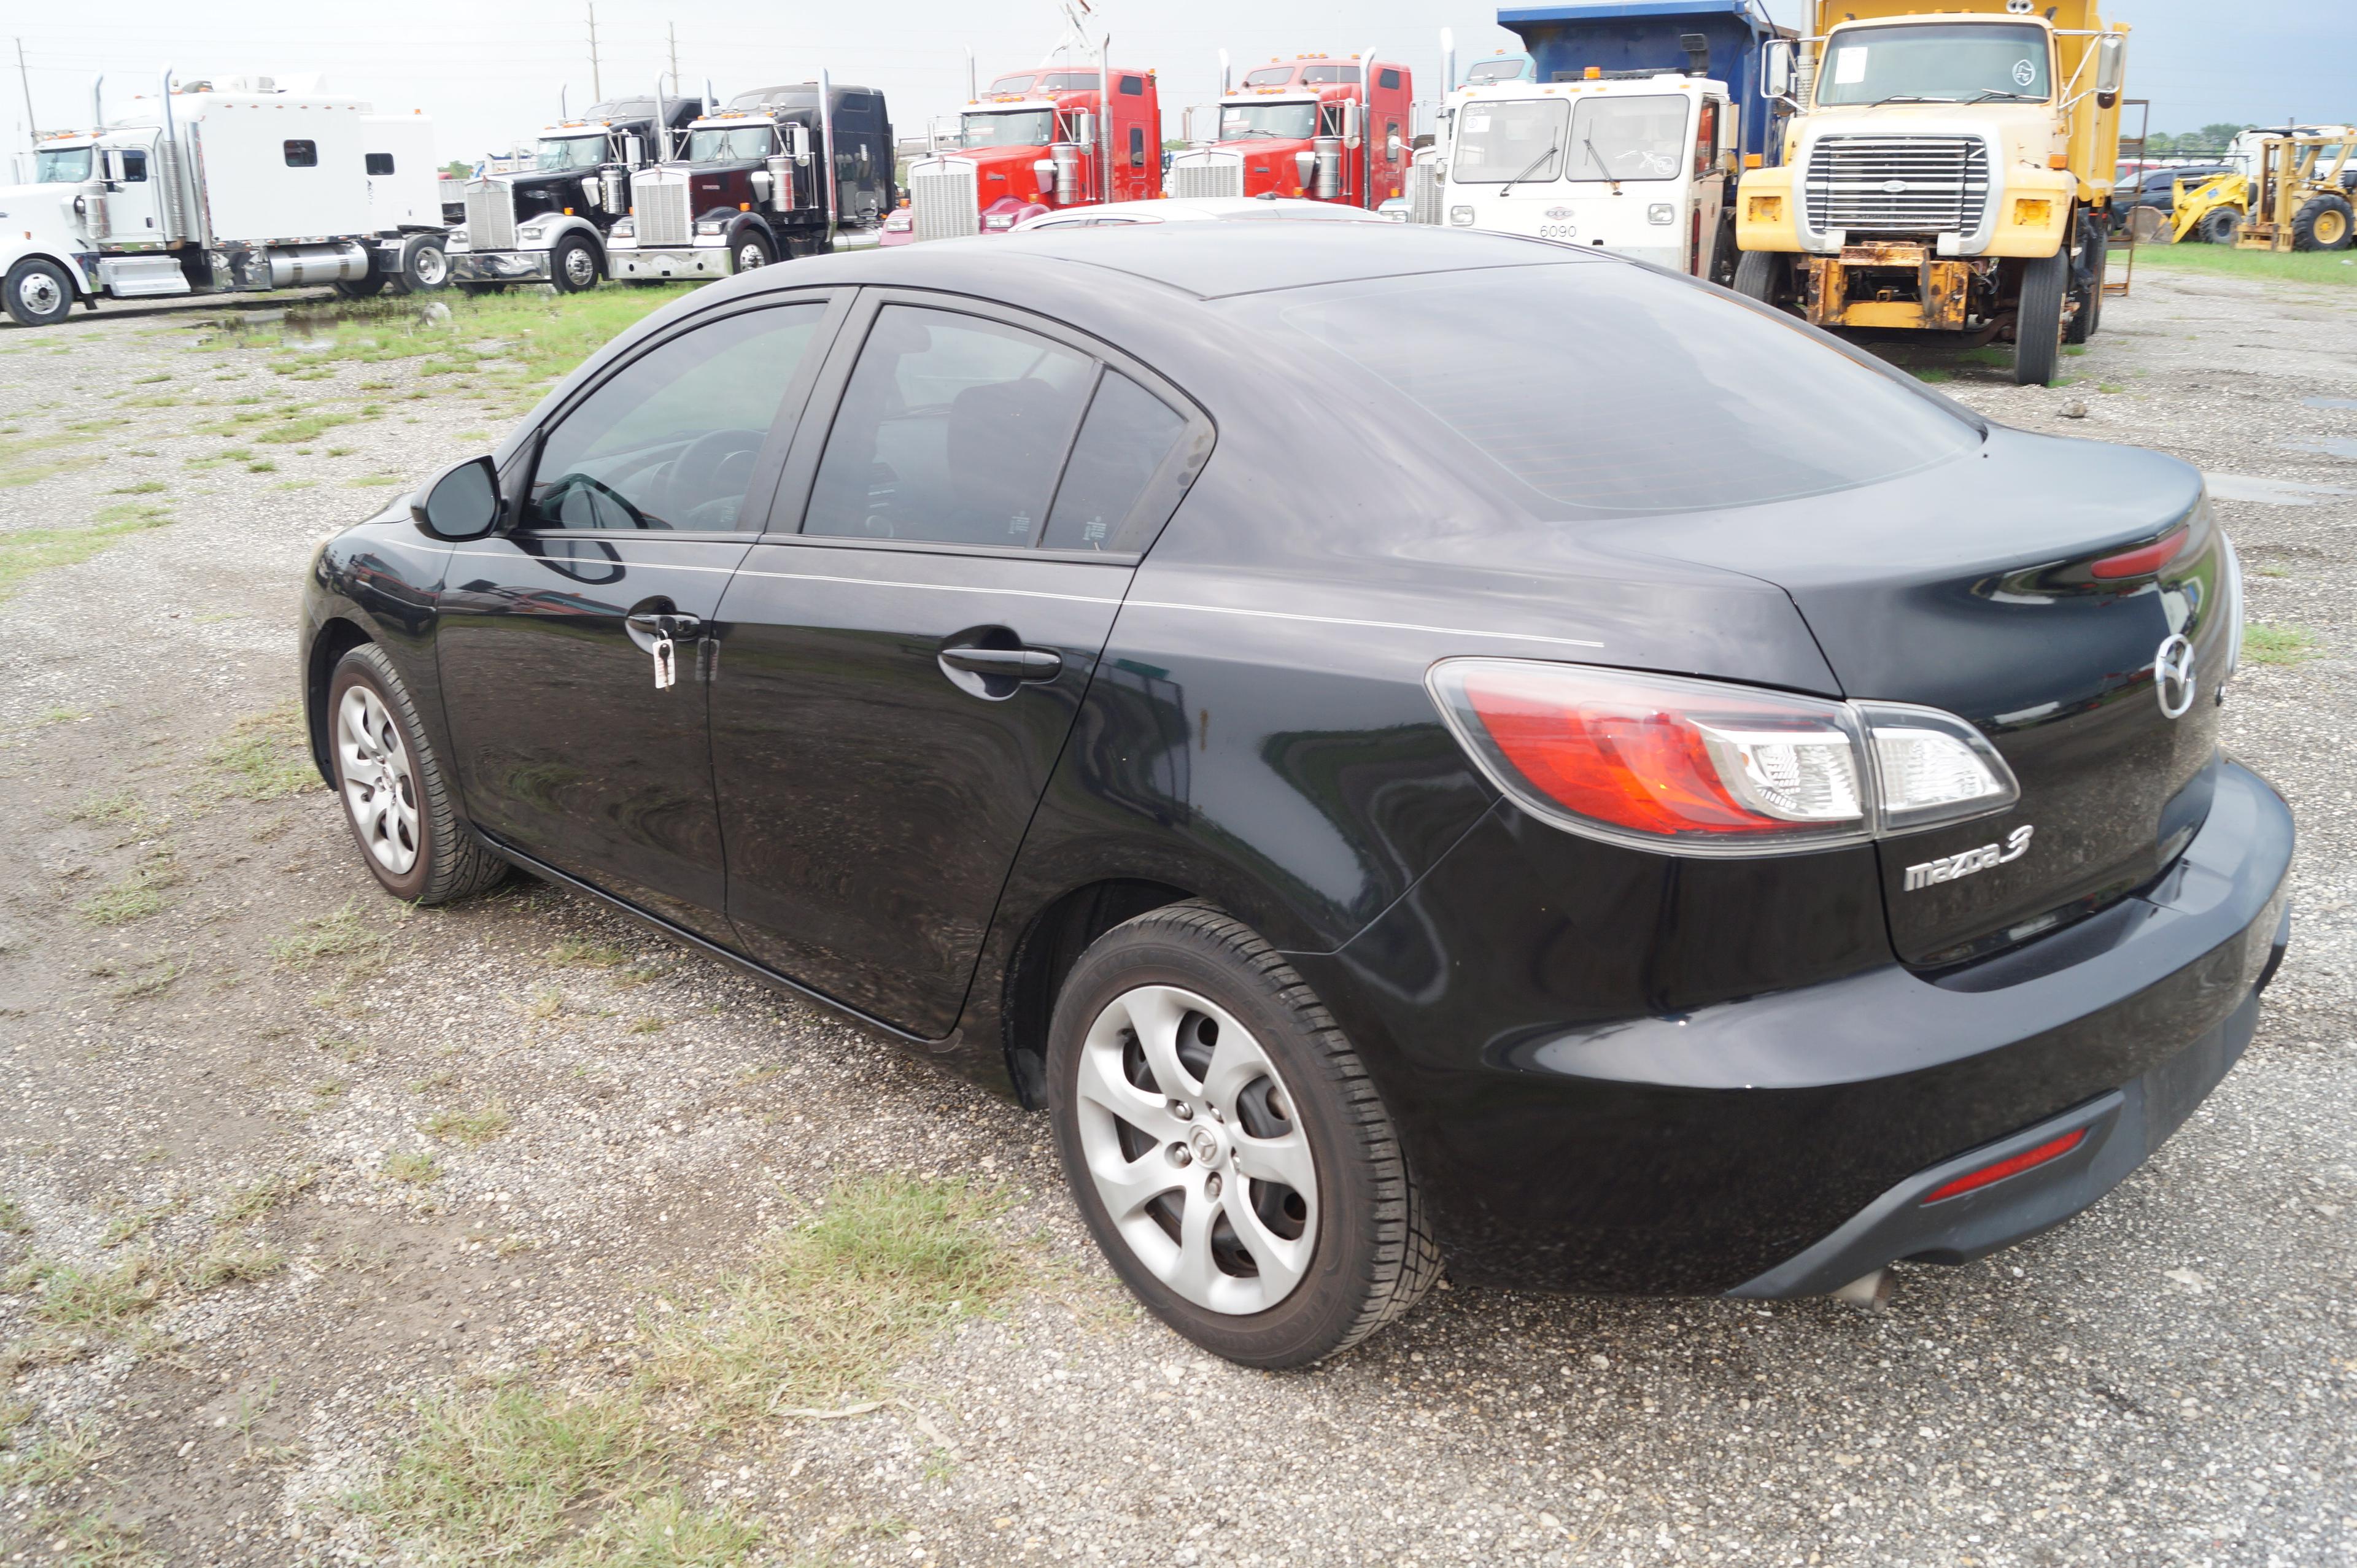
(409, 1165)
(135, 895)
(25, 551)
(12, 1218)
(252, 1201)
(479, 1125)
(340, 935)
(579, 953)
(2270, 644)
(267, 756)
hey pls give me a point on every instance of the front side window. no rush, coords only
(1627, 138)
(1325, 75)
(1488, 70)
(1517, 139)
(302, 154)
(134, 166)
(1137, 146)
(1128, 436)
(1269, 76)
(733, 143)
(560, 153)
(1935, 62)
(378, 163)
(1013, 83)
(1590, 386)
(1068, 82)
(952, 429)
(1278, 122)
(1015, 128)
(670, 440)
(61, 166)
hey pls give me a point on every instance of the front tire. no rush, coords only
(2038, 318)
(2222, 227)
(1225, 1145)
(424, 266)
(573, 265)
(1759, 274)
(2323, 224)
(750, 250)
(39, 294)
(396, 799)
(2094, 263)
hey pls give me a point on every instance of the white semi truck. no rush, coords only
(238, 184)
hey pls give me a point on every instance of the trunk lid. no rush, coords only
(1967, 588)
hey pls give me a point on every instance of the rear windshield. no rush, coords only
(1601, 389)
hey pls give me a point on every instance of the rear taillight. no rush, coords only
(1989, 1176)
(2142, 561)
(1702, 768)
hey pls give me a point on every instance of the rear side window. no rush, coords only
(135, 167)
(1137, 146)
(1134, 86)
(302, 154)
(380, 162)
(1602, 389)
(1128, 435)
(952, 429)
(1387, 78)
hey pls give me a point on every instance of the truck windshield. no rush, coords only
(68, 165)
(1484, 72)
(1944, 62)
(1269, 76)
(1517, 139)
(1248, 122)
(1324, 75)
(1627, 138)
(732, 144)
(570, 152)
(1017, 128)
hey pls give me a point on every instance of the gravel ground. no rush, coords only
(2171, 1377)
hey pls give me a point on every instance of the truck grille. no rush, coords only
(660, 195)
(942, 194)
(1906, 185)
(1424, 183)
(1207, 174)
(490, 215)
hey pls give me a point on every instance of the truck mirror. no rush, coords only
(1393, 147)
(2111, 63)
(1084, 128)
(460, 502)
(1188, 119)
(1350, 131)
(1776, 68)
(116, 172)
(798, 142)
(633, 150)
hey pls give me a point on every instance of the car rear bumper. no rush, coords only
(1780, 1142)
(499, 266)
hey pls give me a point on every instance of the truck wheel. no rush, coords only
(2323, 224)
(2222, 227)
(424, 266)
(371, 284)
(2094, 256)
(573, 265)
(750, 250)
(1724, 256)
(2038, 318)
(39, 293)
(1759, 274)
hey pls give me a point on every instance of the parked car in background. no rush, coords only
(1525, 845)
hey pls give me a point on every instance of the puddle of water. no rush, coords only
(2335, 448)
(2329, 402)
(2271, 492)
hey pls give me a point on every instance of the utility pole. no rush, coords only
(32, 126)
(673, 28)
(596, 89)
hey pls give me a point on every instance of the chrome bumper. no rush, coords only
(670, 262)
(500, 266)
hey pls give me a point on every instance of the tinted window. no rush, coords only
(670, 440)
(1321, 74)
(1604, 390)
(135, 167)
(1127, 435)
(1269, 76)
(302, 154)
(952, 429)
(1137, 146)
(1387, 78)
(380, 162)
(1135, 86)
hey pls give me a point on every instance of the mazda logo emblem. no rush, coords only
(2172, 676)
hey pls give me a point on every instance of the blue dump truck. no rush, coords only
(1721, 39)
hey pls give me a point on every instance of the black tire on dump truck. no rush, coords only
(1759, 274)
(2323, 223)
(2038, 318)
(2094, 256)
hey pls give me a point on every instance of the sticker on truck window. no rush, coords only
(2024, 73)
(1476, 121)
(1850, 65)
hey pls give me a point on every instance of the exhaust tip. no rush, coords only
(1872, 1292)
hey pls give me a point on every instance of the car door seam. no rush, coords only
(1373, 625)
(933, 587)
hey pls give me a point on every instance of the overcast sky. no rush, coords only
(489, 73)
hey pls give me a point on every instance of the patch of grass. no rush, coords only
(59, 1455)
(471, 1128)
(130, 1224)
(121, 807)
(135, 895)
(650, 1025)
(2074, 349)
(2291, 266)
(498, 1477)
(663, 1532)
(254, 1199)
(143, 487)
(1988, 354)
(341, 451)
(416, 1168)
(305, 427)
(2271, 644)
(1935, 375)
(370, 481)
(25, 551)
(228, 1264)
(828, 1307)
(154, 981)
(2109, 387)
(12, 1218)
(337, 935)
(261, 465)
(101, 1300)
(579, 953)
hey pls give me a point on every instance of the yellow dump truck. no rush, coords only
(1946, 169)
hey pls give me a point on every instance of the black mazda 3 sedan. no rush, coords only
(1414, 749)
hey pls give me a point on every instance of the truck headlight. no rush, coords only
(1661, 212)
(711, 226)
(2033, 211)
(999, 221)
(624, 229)
(1461, 216)
(455, 237)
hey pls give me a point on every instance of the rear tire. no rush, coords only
(39, 293)
(424, 266)
(397, 801)
(2222, 227)
(2094, 258)
(1759, 274)
(573, 265)
(2038, 319)
(2323, 223)
(1247, 1266)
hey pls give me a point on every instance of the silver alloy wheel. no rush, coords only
(431, 265)
(39, 293)
(1196, 1150)
(750, 256)
(580, 267)
(380, 785)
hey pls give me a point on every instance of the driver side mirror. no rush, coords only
(460, 502)
(1776, 68)
(2111, 64)
(1188, 118)
(1350, 133)
(633, 153)
(1394, 147)
(117, 167)
(798, 144)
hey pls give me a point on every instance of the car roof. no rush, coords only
(1212, 261)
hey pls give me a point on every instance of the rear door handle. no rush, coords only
(678, 627)
(1006, 663)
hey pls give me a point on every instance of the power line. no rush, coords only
(596, 89)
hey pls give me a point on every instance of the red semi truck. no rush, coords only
(1312, 126)
(1036, 140)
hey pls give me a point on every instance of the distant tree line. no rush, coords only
(2191, 144)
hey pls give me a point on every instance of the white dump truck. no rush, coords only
(241, 184)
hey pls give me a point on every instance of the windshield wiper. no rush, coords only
(1508, 189)
(1987, 93)
(1911, 98)
(1598, 158)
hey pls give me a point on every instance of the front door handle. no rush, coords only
(678, 627)
(1006, 663)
